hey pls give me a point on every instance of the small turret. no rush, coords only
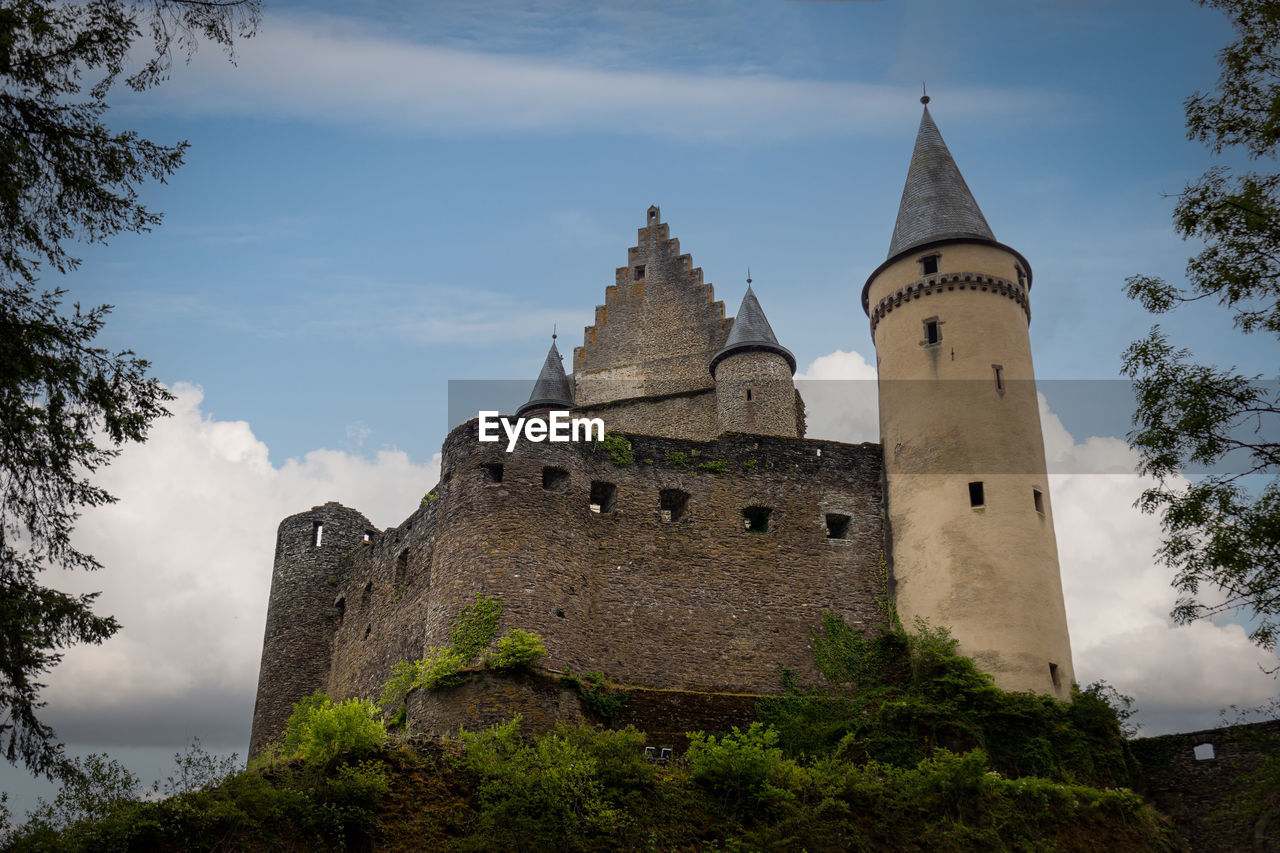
(302, 612)
(552, 390)
(754, 391)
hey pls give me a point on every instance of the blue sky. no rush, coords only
(380, 198)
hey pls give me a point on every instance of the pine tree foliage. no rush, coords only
(67, 406)
(1222, 529)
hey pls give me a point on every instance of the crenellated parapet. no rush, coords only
(960, 281)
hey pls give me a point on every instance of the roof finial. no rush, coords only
(748, 276)
(553, 331)
(924, 96)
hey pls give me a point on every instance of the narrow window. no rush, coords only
(975, 495)
(317, 531)
(1038, 497)
(837, 526)
(368, 629)
(998, 372)
(367, 595)
(1204, 752)
(1053, 674)
(402, 568)
(748, 393)
(604, 497)
(673, 504)
(755, 519)
(929, 265)
(932, 331)
(367, 536)
(492, 472)
(555, 479)
(340, 606)
(639, 271)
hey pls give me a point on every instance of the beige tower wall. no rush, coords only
(755, 394)
(989, 573)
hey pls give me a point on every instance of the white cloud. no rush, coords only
(840, 398)
(335, 70)
(188, 553)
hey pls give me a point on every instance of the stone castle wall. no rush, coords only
(662, 587)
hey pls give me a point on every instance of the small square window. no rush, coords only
(755, 519)
(929, 265)
(837, 526)
(1203, 752)
(604, 497)
(1038, 497)
(555, 479)
(932, 331)
(639, 271)
(492, 472)
(673, 504)
(976, 498)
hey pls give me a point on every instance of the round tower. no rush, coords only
(302, 612)
(970, 525)
(754, 390)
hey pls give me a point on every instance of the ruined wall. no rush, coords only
(658, 329)
(1208, 797)
(302, 610)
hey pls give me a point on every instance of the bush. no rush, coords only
(319, 729)
(519, 649)
(603, 700)
(618, 449)
(439, 668)
(745, 769)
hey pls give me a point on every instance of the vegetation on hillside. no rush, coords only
(907, 747)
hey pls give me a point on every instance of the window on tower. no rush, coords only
(1038, 497)
(639, 271)
(976, 498)
(998, 372)
(932, 331)
(929, 265)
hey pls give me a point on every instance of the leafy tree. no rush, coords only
(66, 406)
(1222, 531)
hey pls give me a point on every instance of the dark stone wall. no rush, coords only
(1208, 799)
(301, 612)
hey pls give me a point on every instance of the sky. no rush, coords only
(380, 198)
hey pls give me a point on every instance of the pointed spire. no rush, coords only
(552, 390)
(751, 331)
(936, 202)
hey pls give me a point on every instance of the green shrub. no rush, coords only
(745, 769)
(678, 458)
(618, 448)
(439, 668)
(319, 729)
(602, 699)
(715, 467)
(518, 649)
(476, 625)
(404, 677)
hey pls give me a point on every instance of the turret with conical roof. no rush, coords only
(551, 390)
(972, 545)
(754, 390)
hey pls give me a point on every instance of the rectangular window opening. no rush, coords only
(402, 568)
(1053, 674)
(604, 497)
(837, 526)
(749, 393)
(998, 372)
(639, 271)
(1038, 497)
(932, 331)
(317, 530)
(492, 472)
(555, 479)
(929, 265)
(755, 519)
(673, 504)
(976, 498)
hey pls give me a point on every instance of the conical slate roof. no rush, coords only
(936, 202)
(551, 391)
(751, 331)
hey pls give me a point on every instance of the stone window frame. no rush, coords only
(757, 518)
(493, 472)
(673, 505)
(843, 524)
(932, 325)
(925, 261)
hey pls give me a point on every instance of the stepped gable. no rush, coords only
(551, 390)
(657, 330)
(936, 202)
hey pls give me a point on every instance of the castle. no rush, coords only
(695, 565)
